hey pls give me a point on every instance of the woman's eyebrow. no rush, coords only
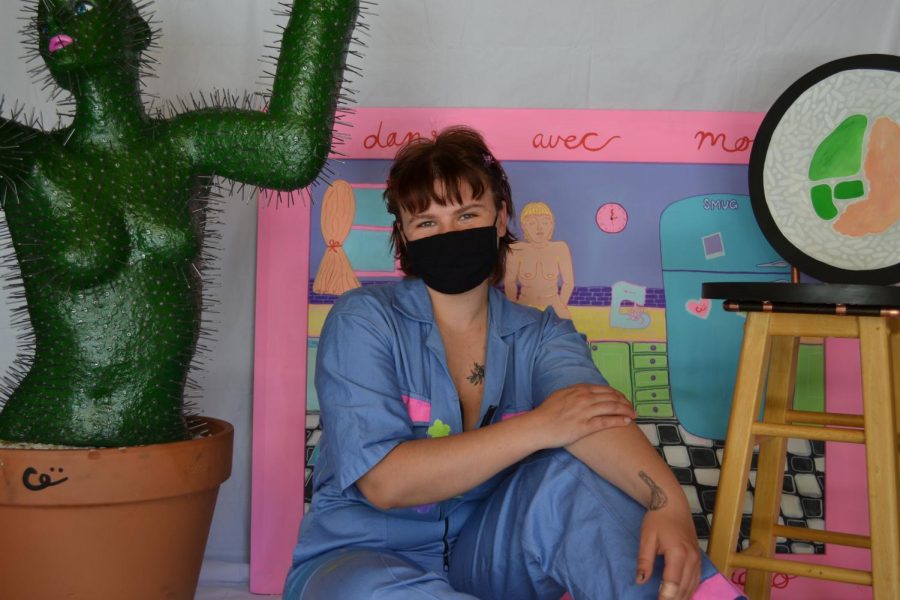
(469, 206)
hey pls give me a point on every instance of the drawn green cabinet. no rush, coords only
(613, 359)
(650, 377)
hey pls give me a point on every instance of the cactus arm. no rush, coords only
(16, 140)
(285, 147)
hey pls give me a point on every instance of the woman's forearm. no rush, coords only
(624, 457)
(431, 470)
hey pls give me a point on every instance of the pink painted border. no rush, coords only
(575, 135)
(281, 307)
(279, 389)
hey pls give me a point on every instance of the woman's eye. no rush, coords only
(82, 8)
(424, 224)
(467, 216)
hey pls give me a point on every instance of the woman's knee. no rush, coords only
(365, 573)
(335, 574)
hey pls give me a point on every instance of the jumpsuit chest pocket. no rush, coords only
(418, 409)
(428, 420)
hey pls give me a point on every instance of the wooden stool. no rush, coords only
(778, 315)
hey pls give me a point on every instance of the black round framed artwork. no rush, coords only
(825, 171)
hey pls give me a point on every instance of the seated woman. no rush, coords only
(470, 448)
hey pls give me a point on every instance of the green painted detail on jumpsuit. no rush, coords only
(106, 216)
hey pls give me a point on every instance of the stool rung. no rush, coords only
(825, 537)
(823, 418)
(774, 565)
(804, 432)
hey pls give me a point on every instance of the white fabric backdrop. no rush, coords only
(629, 54)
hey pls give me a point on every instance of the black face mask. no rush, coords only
(454, 262)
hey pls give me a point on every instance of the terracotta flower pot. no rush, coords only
(117, 523)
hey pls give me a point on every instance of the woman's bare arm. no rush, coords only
(625, 458)
(431, 470)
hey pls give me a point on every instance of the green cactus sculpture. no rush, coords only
(106, 215)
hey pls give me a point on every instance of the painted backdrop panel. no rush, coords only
(622, 215)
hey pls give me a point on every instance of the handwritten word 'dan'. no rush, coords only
(742, 144)
(590, 141)
(392, 139)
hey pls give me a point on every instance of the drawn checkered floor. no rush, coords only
(696, 462)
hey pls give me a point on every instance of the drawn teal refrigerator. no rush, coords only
(708, 238)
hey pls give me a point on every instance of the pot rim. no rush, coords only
(91, 476)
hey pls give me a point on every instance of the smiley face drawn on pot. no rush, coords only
(43, 480)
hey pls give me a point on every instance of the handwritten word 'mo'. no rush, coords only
(392, 139)
(589, 141)
(742, 144)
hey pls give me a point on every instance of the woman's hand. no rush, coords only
(574, 412)
(670, 531)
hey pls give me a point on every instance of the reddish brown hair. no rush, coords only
(457, 155)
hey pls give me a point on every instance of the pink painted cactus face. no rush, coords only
(89, 34)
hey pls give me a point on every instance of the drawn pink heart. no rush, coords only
(698, 308)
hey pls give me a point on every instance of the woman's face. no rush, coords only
(537, 228)
(471, 213)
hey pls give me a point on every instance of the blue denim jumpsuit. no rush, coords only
(382, 379)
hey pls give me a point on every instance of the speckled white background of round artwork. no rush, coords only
(809, 120)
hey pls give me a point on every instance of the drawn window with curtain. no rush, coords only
(368, 244)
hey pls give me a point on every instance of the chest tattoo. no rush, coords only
(476, 377)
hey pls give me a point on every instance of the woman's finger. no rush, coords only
(691, 576)
(673, 573)
(610, 408)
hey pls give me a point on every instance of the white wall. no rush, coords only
(632, 54)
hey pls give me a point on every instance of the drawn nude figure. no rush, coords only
(539, 270)
(881, 208)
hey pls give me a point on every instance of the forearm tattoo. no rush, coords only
(658, 497)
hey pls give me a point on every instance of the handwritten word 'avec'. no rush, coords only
(589, 141)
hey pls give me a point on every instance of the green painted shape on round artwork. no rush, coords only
(849, 190)
(822, 202)
(106, 216)
(840, 154)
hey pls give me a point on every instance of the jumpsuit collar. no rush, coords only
(504, 319)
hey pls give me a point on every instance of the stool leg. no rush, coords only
(770, 466)
(881, 455)
(895, 361)
(739, 442)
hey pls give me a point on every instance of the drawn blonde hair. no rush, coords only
(535, 209)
